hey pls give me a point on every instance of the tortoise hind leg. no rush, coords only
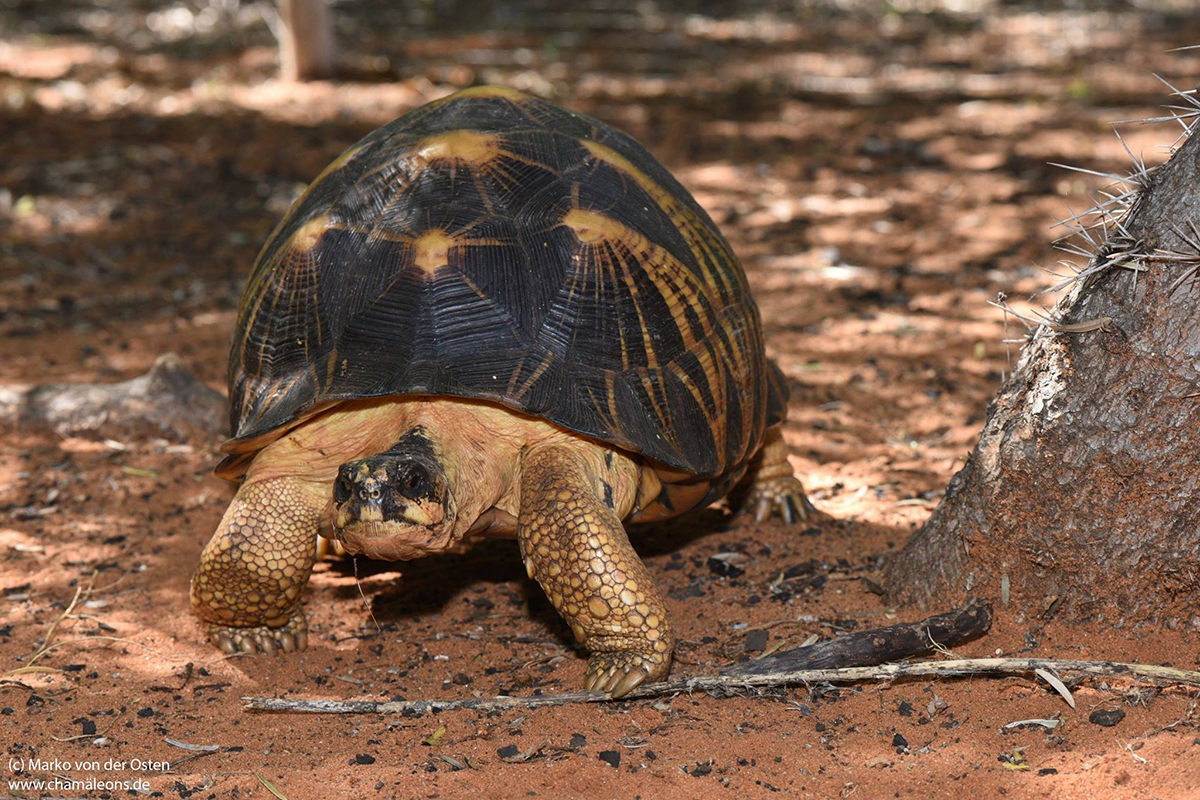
(771, 486)
(575, 546)
(247, 587)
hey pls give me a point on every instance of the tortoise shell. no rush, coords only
(496, 246)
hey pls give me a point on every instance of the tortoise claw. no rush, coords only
(620, 672)
(329, 548)
(783, 494)
(762, 509)
(287, 638)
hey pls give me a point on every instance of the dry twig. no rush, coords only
(722, 686)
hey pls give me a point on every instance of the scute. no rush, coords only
(495, 246)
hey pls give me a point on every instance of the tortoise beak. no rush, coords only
(364, 492)
(393, 505)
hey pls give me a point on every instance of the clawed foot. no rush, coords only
(785, 495)
(619, 673)
(287, 638)
(328, 547)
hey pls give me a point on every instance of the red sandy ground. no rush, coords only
(882, 178)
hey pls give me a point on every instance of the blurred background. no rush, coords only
(883, 169)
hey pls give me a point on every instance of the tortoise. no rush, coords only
(491, 316)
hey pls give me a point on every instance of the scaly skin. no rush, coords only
(575, 547)
(772, 486)
(247, 587)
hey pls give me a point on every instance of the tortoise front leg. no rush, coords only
(576, 548)
(247, 587)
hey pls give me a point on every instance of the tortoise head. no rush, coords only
(394, 505)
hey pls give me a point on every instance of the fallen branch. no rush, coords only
(726, 685)
(862, 649)
(167, 401)
(877, 646)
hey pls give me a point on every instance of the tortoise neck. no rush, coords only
(477, 445)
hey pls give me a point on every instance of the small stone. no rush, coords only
(462, 679)
(145, 712)
(900, 743)
(578, 741)
(610, 757)
(1047, 771)
(363, 758)
(906, 709)
(88, 727)
(700, 770)
(1106, 718)
(508, 751)
(724, 566)
(798, 570)
(756, 641)
(686, 592)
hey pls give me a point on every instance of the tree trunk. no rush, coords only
(1081, 496)
(306, 47)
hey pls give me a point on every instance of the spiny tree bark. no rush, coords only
(1082, 497)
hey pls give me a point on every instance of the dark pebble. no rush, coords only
(578, 740)
(462, 679)
(1106, 718)
(900, 743)
(700, 770)
(797, 570)
(363, 758)
(686, 592)
(1047, 771)
(508, 751)
(145, 712)
(610, 757)
(906, 709)
(756, 641)
(724, 568)
(88, 728)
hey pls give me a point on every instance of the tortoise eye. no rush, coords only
(343, 487)
(414, 481)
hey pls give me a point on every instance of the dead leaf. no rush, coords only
(435, 738)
